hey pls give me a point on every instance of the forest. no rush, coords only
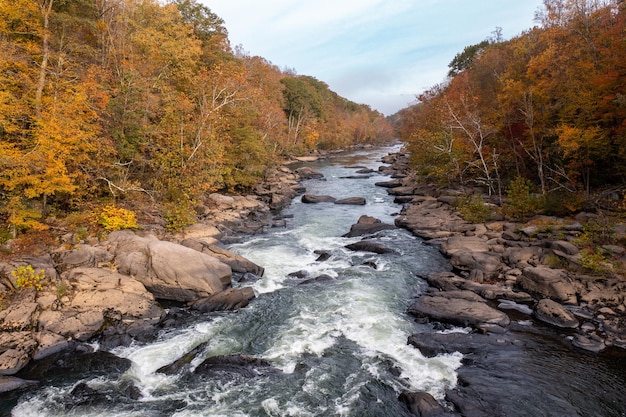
(545, 110)
(132, 101)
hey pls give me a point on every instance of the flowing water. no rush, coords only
(339, 343)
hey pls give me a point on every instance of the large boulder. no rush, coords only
(367, 225)
(422, 404)
(314, 199)
(227, 300)
(459, 311)
(553, 313)
(168, 270)
(369, 246)
(489, 264)
(548, 283)
(236, 262)
(355, 201)
(307, 173)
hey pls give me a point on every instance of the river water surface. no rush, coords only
(339, 343)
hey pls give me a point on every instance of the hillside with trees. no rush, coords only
(126, 101)
(546, 109)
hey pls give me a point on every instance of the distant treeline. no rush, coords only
(548, 106)
(121, 98)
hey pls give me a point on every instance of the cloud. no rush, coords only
(376, 52)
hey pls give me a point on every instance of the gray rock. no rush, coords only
(422, 404)
(551, 312)
(227, 300)
(314, 199)
(11, 383)
(369, 246)
(355, 201)
(458, 311)
(307, 173)
(565, 247)
(236, 262)
(588, 344)
(548, 283)
(489, 263)
(84, 256)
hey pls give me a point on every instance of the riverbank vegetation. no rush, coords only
(547, 108)
(142, 101)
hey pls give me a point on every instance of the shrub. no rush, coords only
(599, 231)
(26, 277)
(521, 201)
(178, 216)
(117, 218)
(563, 204)
(596, 262)
(473, 209)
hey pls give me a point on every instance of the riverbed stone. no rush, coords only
(565, 247)
(548, 283)
(458, 311)
(367, 225)
(354, 201)
(553, 313)
(369, 246)
(422, 404)
(11, 383)
(227, 300)
(308, 173)
(314, 199)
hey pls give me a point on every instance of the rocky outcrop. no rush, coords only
(525, 267)
(110, 292)
(461, 309)
(169, 271)
(236, 262)
(549, 283)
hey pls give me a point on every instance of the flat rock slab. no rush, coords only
(548, 283)
(553, 313)
(458, 311)
(314, 199)
(369, 246)
(354, 201)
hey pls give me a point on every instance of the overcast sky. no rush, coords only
(377, 52)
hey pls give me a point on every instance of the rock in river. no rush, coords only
(459, 311)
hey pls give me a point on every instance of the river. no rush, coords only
(338, 344)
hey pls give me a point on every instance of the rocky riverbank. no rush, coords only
(111, 291)
(505, 275)
(533, 267)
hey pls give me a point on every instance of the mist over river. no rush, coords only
(337, 345)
